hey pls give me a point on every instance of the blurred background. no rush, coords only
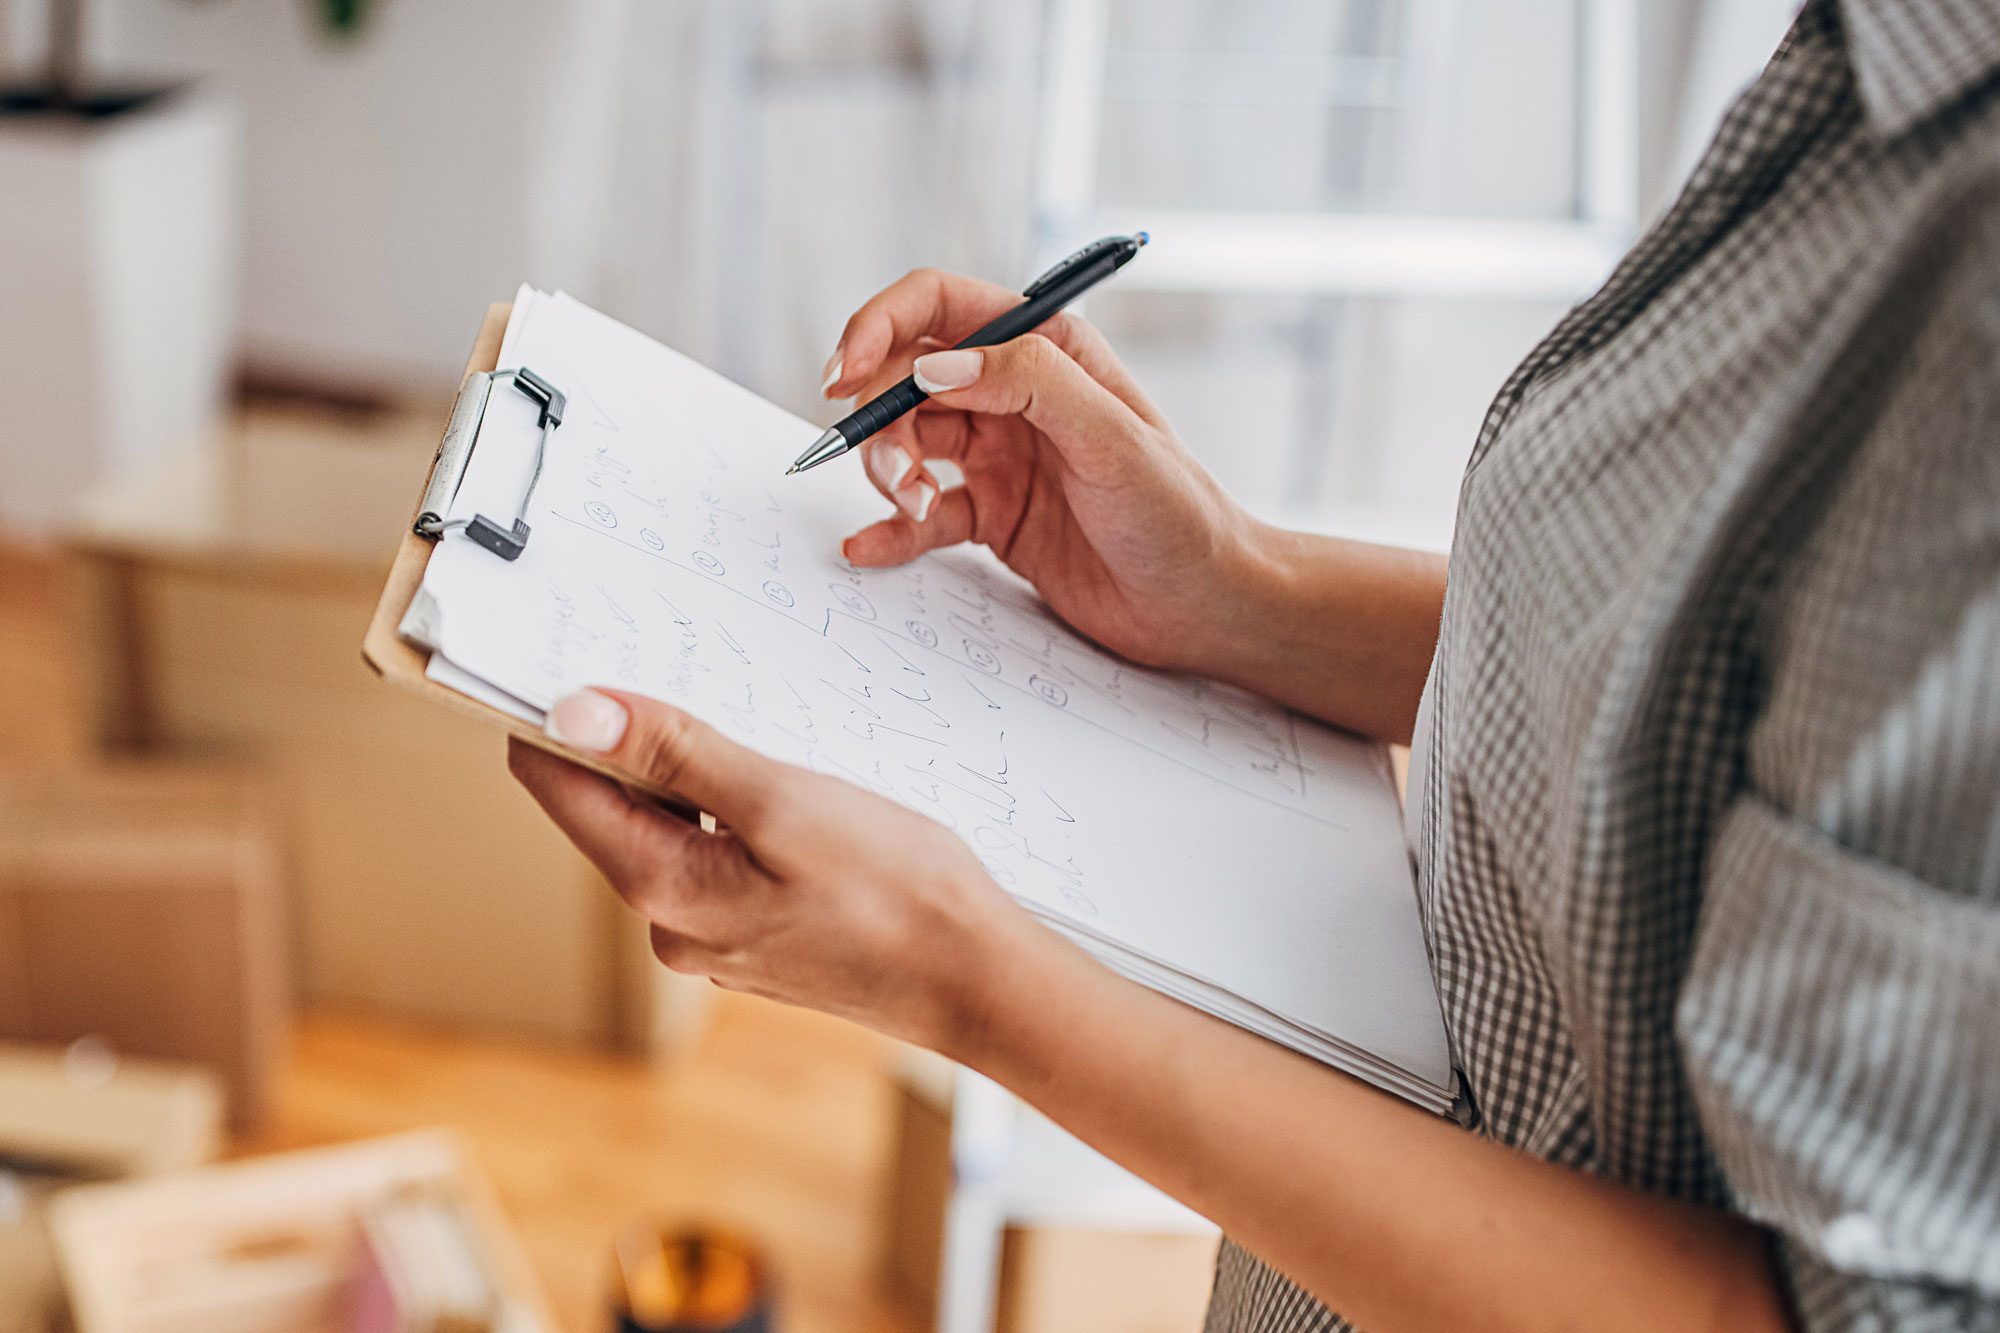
(257, 909)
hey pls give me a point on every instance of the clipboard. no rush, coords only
(403, 664)
(1399, 1043)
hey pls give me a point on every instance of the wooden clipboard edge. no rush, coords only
(403, 664)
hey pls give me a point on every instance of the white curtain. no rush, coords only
(734, 177)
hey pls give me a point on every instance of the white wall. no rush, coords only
(373, 247)
(389, 186)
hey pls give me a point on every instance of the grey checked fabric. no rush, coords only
(1709, 856)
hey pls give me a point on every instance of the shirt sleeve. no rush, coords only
(1839, 1016)
(1841, 1024)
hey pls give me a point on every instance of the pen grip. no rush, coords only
(1023, 318)
(879, 411)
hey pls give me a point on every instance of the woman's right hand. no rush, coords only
(1072, 476)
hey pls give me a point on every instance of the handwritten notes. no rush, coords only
(1176, 821)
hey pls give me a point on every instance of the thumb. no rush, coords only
(674, 752)
(1034, 379)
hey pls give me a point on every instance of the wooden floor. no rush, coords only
(776, 1124)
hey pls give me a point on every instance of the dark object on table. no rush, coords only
(693, 1280)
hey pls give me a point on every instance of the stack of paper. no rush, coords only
(1205, 842)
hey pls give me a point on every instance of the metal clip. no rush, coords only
(455, 451)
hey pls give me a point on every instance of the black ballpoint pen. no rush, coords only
(1044, 297)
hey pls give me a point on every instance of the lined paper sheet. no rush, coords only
(1202, 840)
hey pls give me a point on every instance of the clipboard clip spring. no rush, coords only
(456, 451)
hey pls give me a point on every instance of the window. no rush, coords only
(1365, 212)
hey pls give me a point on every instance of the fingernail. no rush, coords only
(937, 371)
(588, 720)
(832, 371)
(917, 498)
(890, 465)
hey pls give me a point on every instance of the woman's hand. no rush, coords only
(822, 894)
(818, 893)
(1077, 482)
(1071, 476)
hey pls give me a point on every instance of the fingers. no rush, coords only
(922, 303)
(627, 841)
(901, 539)
(1094, 430)
(676, 753)
(900, 477)
(927, 309)
(897, 460)
(691, 885)
(679, 952)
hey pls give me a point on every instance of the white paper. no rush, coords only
(1200, 836)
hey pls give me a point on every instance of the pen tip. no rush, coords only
(1141, 237)
(790, 470)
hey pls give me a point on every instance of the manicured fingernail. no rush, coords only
(832, 371)
(890, 464)
(917, 498)
(938, 371)
(588, 720)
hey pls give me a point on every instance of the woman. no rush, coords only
(1706, 771)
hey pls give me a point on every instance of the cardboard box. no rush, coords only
(1060, 1279)
(140, 905)
(87, 1113)
(210, 615)
(1052, 1279)
(918, 1196)
(29, 1290)
(273, 1242)
(83, 1114)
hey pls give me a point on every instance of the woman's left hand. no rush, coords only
(826, 895)
(818, 893)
